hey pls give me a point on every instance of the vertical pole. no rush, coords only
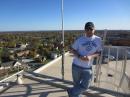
(125, 61)
(62, 69)
(116, 65)
(108, 64)
(104, 36)
(123, 69)
(101, 57)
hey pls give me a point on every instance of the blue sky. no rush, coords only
(19, 15)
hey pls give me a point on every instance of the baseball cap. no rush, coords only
(89, 25)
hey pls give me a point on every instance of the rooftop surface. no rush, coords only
(48, 82)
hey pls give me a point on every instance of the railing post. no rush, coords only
(117, 55)
(108, 60)
(125, 61)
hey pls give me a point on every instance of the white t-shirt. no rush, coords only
(86, 46)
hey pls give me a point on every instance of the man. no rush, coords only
(84, 49)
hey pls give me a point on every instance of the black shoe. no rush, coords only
(69, 92)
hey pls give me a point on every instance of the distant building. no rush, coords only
(22, 53)
(22, 46)
(27, 60)
(10, 64)
(54, 55)
(117, 37)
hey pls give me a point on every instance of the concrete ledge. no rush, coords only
(14, 75)
(49, 64)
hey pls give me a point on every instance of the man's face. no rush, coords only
(89, 32)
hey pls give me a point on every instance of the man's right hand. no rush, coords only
(85, 58)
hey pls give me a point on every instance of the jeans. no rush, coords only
(82, 79)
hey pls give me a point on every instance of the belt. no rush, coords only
(80, 66)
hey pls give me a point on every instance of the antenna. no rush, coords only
(62, 68)
(104, 36)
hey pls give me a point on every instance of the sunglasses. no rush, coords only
(89, 29)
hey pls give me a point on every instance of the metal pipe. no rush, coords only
(62, 21)
(98, 70)
(104, 36)
(117, 55)
(123, 69)
(101, 57)
(125, 61)
(108, 59)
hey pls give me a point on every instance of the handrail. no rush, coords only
(115, 50)
(125, 75)
(128, 79)
(119, 47)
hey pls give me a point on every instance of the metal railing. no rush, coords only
(114, 74)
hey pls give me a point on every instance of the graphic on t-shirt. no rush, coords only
(89, 45)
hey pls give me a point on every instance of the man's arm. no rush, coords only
(89, 57)
(85, 58)
(74, 52)
(96, 54)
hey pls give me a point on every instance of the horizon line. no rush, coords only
(61, 30)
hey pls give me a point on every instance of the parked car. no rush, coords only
(128, 55)
(105, 58)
